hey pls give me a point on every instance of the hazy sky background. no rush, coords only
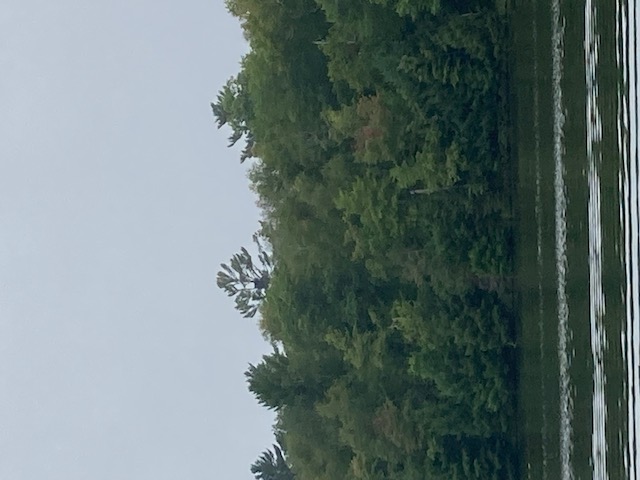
(119, 357)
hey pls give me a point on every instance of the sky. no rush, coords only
(119, 357)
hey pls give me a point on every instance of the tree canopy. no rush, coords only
(378, 138)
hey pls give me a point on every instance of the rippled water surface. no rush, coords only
(575, 86)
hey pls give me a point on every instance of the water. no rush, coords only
(575, 82)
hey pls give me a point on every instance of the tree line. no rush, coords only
(377, 137)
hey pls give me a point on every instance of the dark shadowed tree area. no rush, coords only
(245, 280)
(272, 465)
(378, 137)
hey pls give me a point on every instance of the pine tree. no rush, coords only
(272, 465)
(245, 280)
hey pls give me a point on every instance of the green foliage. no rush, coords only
(247, 282)
(272, 465)
(233, 108)
(383, 175)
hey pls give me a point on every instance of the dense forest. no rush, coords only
(376, 137)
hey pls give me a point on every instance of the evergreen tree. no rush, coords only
(272, 465)
(245, 280)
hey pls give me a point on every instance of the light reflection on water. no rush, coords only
(596, 294)
(539, 235)
(629, 210)
(560, 196)
(580, 174)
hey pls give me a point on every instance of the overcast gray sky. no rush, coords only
(119, 357)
